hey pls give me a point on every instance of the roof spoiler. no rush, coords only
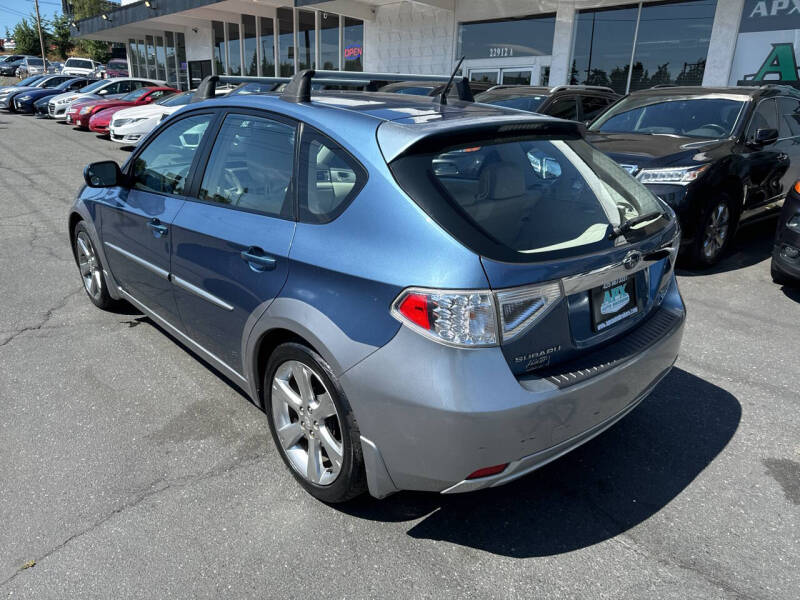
(298, 88)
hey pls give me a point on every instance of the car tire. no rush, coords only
(778, 277)
(319, 441)
(717, 226)
(91, 268)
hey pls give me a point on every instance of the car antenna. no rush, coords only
(442, 99)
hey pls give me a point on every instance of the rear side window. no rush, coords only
(564, 108)
(789, 109)
(527, 199)
(764, 117)
(164, 164)
(251, 166)
(329, 178)
(593, 106)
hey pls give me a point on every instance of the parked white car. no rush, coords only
(103, 88)
(130, 125)
(31, 65)
(79, 66)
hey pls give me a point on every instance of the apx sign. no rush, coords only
(770, 15)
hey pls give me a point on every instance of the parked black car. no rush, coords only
(785, 266)
(720, 157)
(573, 102)
(24, 101)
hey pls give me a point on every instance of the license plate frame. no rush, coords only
(613, 302)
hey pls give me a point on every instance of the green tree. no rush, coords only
(62, 39)
(26, 36)
(94, 49)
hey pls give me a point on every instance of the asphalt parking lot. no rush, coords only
(129, 469)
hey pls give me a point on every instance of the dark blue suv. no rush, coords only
(422, 293)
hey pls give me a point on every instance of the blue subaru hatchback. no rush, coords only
(421, 295)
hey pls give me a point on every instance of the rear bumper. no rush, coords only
(433, 414)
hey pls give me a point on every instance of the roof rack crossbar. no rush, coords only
(298, 88)
(603, 88)
(208, 87)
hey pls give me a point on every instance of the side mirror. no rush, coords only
(103, 174)
(765, 137)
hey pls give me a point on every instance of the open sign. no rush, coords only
(353, 52)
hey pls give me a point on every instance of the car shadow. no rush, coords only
(602, 489)
(752, 244)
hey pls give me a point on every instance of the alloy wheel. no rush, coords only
(716, 232)
(89, 265)
(307, 423)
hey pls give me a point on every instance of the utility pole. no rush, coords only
(41, 37)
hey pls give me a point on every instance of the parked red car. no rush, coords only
(117, 67)
(80, 113)
(101, 120)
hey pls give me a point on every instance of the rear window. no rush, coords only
(528, 102)
(78, 63)
(529, 198)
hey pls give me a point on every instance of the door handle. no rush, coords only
(258, 260)
(157, 228)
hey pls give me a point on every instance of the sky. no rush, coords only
(11, 11)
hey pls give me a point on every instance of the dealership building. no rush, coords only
(623, 45)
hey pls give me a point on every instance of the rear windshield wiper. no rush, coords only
(628, 224)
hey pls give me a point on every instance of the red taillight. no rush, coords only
(414, 307)
(486, 471)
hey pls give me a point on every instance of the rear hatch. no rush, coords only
(575, 250)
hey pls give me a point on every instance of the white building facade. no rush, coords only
(617, 43)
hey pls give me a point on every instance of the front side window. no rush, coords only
(164, 164)
(713, 116)
(527, 199)
(329, 178)
(251, 166)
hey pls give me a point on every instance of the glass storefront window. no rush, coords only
(603, 44)
(172, 76)
(671, 45)
(161, 59)
(140, 51)
(250, 45)
(503, 38)
(306, 40)
(180, 49)
(285, 42)
(329, 41)
(219, 47)
(151, 57)
(353, 51)
(267, 42)
(234, 51)
(133, 56)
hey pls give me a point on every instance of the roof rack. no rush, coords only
(598, 88)
(298, 88)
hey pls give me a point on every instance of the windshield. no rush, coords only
(537, 197)
(518, 101)
(28, 80)
(80, 64)
(92, 86)
(176, 100)
(135, 94)
(709, 117)
(117, 64)
(37, 62)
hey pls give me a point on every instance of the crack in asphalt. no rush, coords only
(162, 486)
(47, 316)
